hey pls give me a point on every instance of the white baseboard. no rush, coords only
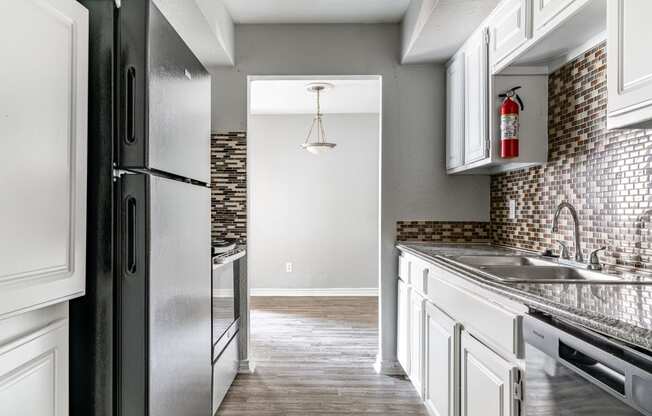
(246, 367)
(353, 291)
(388, 368)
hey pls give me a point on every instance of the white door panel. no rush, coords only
(545, 11)
(403, 327)
(455, 113)
(486, 380)
(34, 373)
(416, 341)
(629, 62)
(508, 29)
(43, 110)
(441, 357)
(475, 107)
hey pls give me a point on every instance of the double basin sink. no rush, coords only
(529, 269)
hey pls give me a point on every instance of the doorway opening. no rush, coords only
(313, 233)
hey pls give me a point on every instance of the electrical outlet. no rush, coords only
(288, 267)
(512, 209)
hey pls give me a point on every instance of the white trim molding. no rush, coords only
(353, 291)
(246, 367)
(388, 367)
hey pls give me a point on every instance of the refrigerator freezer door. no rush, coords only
(169, 328)
(166, 97)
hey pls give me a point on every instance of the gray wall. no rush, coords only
(413, 182)
(318, 212)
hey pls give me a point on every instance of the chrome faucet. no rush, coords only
(576, 233)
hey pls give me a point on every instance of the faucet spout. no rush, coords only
(576, 230)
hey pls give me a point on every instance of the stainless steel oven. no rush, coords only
(228, 271)
(226, 275)
(571, 371)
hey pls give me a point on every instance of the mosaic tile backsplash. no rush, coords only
(606, 175)
(229, 186)
(443, 231)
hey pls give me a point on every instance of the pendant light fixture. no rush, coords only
(320, 145)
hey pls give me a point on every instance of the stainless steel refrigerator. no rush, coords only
(141, 338)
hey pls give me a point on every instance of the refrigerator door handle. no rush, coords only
(130, 237)
(130, 107)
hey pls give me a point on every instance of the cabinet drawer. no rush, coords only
(225, 368)
(419, 275)
(499, 326)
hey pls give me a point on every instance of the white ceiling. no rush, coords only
(289, 96)
(440, 27)
(316, 11)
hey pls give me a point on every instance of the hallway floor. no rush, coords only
(314, 356)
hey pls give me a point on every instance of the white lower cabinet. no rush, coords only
(416, 340)
(440, 355)
(403, 326)
(459, 348)
(34, 363)
(487, 381)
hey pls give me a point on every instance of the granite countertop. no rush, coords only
(622, 311)
(229, 256)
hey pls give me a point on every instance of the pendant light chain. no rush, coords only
(321, 133)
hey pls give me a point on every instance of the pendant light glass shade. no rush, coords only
(320, 144)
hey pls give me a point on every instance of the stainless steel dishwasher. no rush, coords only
(571, 371)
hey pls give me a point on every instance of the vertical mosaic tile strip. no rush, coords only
(606, 175)
(229, 186)
(443, 231)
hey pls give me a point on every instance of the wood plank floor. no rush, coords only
(314, 356)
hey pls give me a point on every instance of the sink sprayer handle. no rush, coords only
(594, 260)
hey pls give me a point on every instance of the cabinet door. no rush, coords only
(476, 78)
(34, 373)
(545, 11)
(508, 29)
(416, 341)
(441, 354)
(629, 66)
(487, 381)
(403, 326)
(455, 113)
(43, 85)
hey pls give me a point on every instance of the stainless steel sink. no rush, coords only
(524, 268)
(502, 261)
(547, 273)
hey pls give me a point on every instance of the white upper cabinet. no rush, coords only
(629, 66)
(523, 40)
(43, 112)
(509, 28)
(455, 112)
(544, 12)
(488, 381)
(476, 78)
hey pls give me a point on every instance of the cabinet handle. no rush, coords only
(130, 107)
(130, 239)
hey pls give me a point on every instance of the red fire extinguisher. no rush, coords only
(509, 123)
